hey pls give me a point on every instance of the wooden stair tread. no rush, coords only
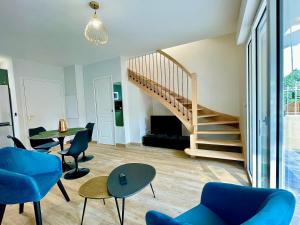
(199, 109)
(235, 143)
(230, 131)
(207, 115)
(215, 154)
(219, 122)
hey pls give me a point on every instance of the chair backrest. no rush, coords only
(244, 205)
(90, 127)
(277, 209)
(79, 143)
(35, 131)
(17, 142)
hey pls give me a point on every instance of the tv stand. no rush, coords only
(166, 132)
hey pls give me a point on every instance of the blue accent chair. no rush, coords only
(228, 204)
(27, 176)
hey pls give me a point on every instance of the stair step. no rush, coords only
(218, 122)
(235, 143)
(230, 131)
(207, 115)
(199, 109)
(215, 154)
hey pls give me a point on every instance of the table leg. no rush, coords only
(152, 190)
(85, 200)
(123, 208)
(117, 204)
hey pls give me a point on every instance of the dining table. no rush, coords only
(61, 137)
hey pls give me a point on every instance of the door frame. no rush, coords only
(24, 102)
(113, 108)
(252, 100)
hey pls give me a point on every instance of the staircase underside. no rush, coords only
(217, 135)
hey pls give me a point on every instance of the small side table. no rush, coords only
(95, 188)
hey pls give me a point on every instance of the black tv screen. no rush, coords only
(169, 125)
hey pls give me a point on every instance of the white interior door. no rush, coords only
(44, 103)
(104, 110)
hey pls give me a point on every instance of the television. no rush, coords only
(169, 125)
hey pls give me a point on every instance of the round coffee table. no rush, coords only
(95, 188)
(138, 176)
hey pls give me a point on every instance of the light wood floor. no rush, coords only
(178, 186)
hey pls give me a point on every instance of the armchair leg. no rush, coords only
(63, 190)
(2, 210)
(21, 208)
(37, 212)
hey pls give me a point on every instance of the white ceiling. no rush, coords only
(51, 31)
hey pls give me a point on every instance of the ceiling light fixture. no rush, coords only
(95, 31)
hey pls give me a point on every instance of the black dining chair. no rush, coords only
(90, 128)
(78, 146)
(43, 143)
(19, 144)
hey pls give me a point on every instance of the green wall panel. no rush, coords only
(3, 77)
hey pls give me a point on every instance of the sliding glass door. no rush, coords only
(273, 60)
(289, 120)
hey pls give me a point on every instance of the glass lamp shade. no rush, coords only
(95, 31)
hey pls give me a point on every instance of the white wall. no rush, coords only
(219, 64)
(70, 95)
(29, 69)
(74, 93)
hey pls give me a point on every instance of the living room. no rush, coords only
(132, 118)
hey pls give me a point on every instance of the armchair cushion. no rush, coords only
(200, 215)
(157, 218)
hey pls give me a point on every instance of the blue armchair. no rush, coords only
(27, 176)
(228, 204)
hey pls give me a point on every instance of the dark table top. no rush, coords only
(56, 133)
(138, 176)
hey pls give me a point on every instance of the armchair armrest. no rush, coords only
(235, 204)
(157, 218)
(28, 162)
(17, 188)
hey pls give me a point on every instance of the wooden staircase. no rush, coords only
(213, 134)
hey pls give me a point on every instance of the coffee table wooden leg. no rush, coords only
(152, 190)
(85, 200)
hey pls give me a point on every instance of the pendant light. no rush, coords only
(95, 30)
